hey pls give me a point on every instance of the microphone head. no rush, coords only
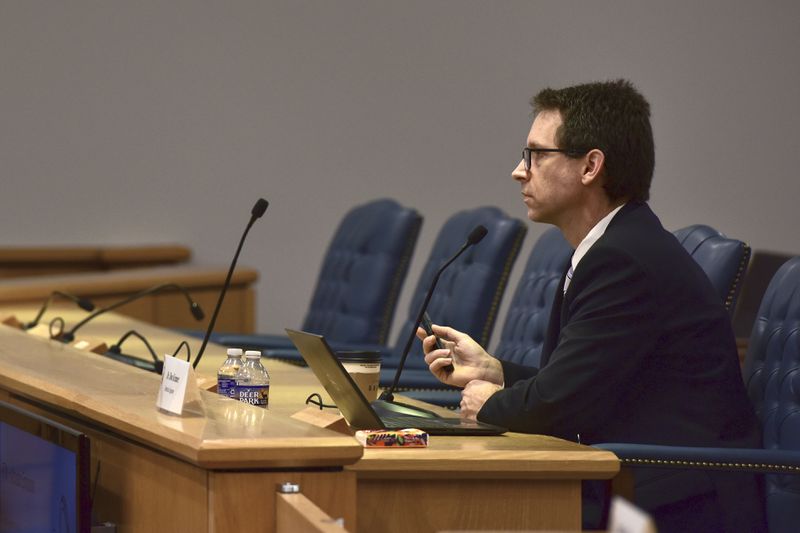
(477, 234)
(85, 304)
(259, 208)
(197, 312)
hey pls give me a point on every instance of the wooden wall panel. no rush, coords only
(333, 492)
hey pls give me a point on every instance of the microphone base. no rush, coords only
(150, 366)
(398, 408)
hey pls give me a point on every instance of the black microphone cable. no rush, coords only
(83, 303)
(194, 307)
(55, 333)
(115, 352)
(183, 344)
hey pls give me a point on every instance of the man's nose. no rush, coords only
(519, 173)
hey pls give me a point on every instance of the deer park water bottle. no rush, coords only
(226, 375)
(252, 380)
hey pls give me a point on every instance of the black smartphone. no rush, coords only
(426, 325)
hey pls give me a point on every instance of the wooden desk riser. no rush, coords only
(26, 261)
(167, 309)
(510, 482)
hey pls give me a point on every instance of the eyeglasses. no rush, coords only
(526, 153)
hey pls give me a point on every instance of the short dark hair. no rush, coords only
(613, 117)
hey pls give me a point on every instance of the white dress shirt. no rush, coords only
(594, 234)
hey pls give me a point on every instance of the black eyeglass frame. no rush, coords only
(526, 153)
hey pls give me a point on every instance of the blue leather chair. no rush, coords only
(468, 293)
(528, 316)
(526, 320)
(724, 260)
(360, 279)
(772, 376)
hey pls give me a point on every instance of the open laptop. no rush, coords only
(360, 413)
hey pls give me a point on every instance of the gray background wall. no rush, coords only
(138, 122)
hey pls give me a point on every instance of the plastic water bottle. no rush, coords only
(226, 375)
(252, 380)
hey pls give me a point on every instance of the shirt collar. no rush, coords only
(592, 237)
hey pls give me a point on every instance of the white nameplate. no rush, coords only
(627, 518)
(176, 379)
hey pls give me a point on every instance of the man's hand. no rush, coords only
(474, 396)
(470, 361)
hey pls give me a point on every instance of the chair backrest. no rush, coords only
(528, 315)
(362, 273)
(468, 293)
(772, 377)
(724, 260)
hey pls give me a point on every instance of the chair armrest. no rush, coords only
(291, 355)
(414, 379)
(350, 347)
(753, 460)
(255, 342)
(288, 355)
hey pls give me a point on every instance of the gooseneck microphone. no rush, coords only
(83, 303)
(257, 212)
(197, 312)
(475, 236)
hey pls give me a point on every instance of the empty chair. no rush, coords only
(360, 278)
(468, 292)
(529, 313)
(724, 260)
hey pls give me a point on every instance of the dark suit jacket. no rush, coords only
(639, 349)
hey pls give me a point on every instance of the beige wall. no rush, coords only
(125, 122)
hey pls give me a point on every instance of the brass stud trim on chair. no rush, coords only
(710, 464)
(737, 279)
(501, 285)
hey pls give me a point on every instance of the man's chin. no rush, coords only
(541, 218)
(535, 216)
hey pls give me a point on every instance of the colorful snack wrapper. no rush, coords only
(394, 438)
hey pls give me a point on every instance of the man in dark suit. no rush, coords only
(639, 348)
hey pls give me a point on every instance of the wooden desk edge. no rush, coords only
(36, 288)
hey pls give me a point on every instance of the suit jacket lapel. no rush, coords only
(558, 314)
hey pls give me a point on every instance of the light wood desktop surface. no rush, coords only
(213, 469)
(508, 482)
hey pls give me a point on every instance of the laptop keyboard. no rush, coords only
(404, 422)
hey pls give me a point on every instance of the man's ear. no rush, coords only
(594, 162)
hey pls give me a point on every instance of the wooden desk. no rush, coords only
(158, 472)
(26, 261)
(513, 481)
(168, 309)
